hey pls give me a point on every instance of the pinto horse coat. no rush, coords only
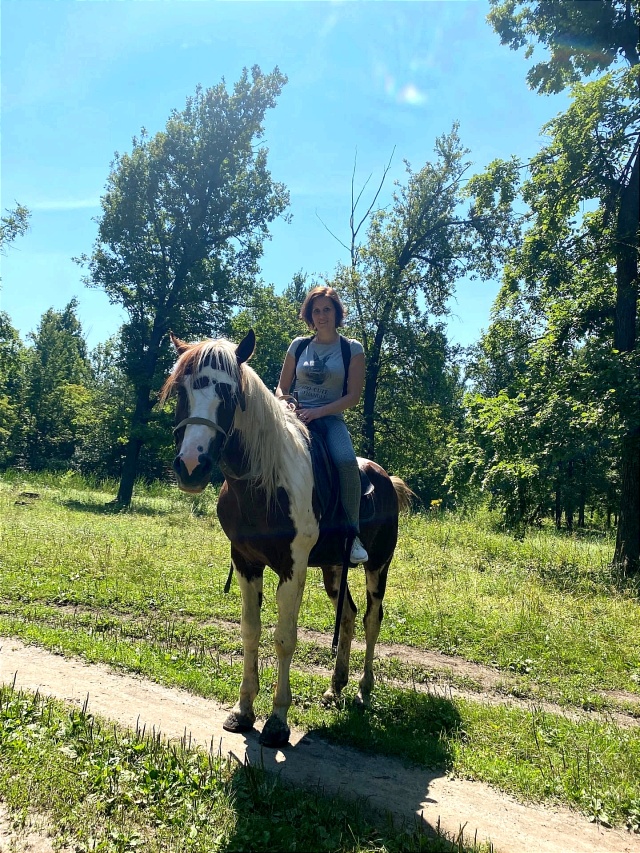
(268, 508)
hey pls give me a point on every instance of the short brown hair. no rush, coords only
(307, 306)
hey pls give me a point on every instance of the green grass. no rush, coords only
(110, 790)
(142, 590)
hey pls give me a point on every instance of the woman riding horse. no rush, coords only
(325, 388)
(269, 509)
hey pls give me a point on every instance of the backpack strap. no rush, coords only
(345, 347)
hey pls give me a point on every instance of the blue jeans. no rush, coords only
(340, 447)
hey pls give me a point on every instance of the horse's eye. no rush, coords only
(200, 382)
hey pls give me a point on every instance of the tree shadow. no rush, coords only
(110, 508)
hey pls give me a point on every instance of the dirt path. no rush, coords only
(32, 838)
(387, 784)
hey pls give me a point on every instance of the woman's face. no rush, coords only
(323, 314)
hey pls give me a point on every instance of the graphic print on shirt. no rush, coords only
(316, 368)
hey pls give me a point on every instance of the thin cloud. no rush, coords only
(65, 204)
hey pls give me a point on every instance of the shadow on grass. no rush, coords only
(272, 815)
(387, 760)
(112, 508)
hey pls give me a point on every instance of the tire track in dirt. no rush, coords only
(497, 687)
(387, 784)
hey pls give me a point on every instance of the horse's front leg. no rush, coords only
(331, 576)
(289, 596)
(242, 716)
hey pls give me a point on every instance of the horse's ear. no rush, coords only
(245, 348)
(180, 346)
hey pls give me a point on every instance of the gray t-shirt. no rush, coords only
(320, 371)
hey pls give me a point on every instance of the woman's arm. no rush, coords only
(355, 384)
(286, 376)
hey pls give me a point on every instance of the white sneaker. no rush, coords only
(358, 552)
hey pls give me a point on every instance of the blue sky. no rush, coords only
(81, 77)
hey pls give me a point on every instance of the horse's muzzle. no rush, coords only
(196, 481)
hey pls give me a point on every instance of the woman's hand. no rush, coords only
(308, 415)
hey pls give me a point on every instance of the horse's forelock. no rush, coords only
(220, 354)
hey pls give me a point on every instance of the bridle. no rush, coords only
(196, 420)
(202, 422)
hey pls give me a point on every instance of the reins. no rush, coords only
(343, 587)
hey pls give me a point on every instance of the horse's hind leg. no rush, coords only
(242, 716)
(331, 576)
(376, 587)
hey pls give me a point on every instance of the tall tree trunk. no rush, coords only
(569, 496)
(141, 413)
(137, 425)
(627, 550)
(558, 503)
(372, 372)
(582, 494)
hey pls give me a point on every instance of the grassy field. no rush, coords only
(142, 590)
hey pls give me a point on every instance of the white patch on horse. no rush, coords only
(297, 480)
(203, 403)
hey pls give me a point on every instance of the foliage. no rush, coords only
(183, 219)
(11, 388)
(397, 287)
(57, 373)
(275, 321)
(14, 224)
(582, 38)
(558, 370)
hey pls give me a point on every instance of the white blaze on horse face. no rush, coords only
(203, 403)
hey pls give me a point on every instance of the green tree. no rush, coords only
(14, 224)
(11, 389)
(413, 255)
(594, 155)
(103, 424)
(56, 389)
(183, 220)
(275, 321)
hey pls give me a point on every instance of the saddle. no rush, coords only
(333, 525)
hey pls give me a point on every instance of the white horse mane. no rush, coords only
(269, 430)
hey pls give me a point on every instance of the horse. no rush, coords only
(271, 512)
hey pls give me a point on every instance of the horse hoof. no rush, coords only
(330, 697)
(361, 703)
(275, 733)
(237, 723)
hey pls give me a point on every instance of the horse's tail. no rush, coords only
(404, 494)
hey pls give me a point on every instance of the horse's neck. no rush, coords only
(233, 461)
